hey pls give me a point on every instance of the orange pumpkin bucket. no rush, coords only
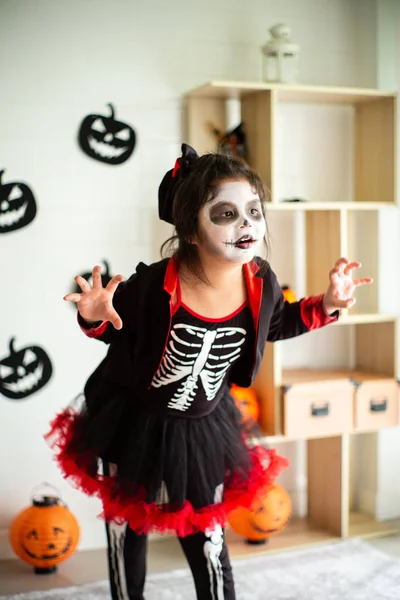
(44, 534)
(288, 294)
(247, 402)
(266, 519)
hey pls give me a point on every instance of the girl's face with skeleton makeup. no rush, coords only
(231, 226)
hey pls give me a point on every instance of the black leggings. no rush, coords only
(207, 556)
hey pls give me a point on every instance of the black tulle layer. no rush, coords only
(164, 473)
(188, 457)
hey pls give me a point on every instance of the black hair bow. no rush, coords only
(167, 187)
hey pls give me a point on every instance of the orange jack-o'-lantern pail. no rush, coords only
(288, 294)
(44, 534)
(247, 402)
(267, 518)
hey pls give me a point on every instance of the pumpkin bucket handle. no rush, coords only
(46, 496)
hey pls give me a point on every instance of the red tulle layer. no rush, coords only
(144, 517)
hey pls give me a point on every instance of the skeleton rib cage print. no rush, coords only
(197, 357)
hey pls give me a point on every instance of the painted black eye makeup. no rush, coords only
(254, 210)
(226, 213)
(222, 214)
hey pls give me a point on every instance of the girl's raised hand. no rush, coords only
(342, 285)
(95, 303)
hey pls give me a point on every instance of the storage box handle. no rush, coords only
(320, 411)
(378, 406)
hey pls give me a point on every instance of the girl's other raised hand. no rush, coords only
(95, 303)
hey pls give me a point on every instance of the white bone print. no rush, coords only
(195, 353)
(212, 550)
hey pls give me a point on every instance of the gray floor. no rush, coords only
(90, 566)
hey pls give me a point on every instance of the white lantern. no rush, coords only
(281, 62)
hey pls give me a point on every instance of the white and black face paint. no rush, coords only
(232, 225)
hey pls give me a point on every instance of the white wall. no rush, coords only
(60, 61)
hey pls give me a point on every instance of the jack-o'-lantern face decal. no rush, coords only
(44, 535)
(265, 519)
(24, 372)
(17, 206)
(105, 139)
(247, 402)
(46, 545)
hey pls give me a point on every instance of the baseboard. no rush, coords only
(6, 552)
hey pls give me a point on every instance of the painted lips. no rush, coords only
(245, 242)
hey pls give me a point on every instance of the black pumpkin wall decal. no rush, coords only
(17, 205)
(105, 139)
(24, 371)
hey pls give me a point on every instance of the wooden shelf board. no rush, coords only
(301, 534)
(364, 526)
(279, 438)
(305, 376)
(360, 318)
(329, 95)
(298, 534)
(291, 93)
(293, 206)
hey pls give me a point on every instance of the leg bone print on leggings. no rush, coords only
(212, 551)
(196, 353)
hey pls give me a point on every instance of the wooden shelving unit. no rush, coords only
(334, 148)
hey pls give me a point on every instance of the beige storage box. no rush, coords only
(376, 403)
(316, 403)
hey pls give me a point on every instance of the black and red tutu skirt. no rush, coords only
(159, 472)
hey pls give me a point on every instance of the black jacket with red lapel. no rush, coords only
(145, 305)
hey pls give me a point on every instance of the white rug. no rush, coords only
(346, 570)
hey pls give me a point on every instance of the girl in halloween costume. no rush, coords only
(157, 436)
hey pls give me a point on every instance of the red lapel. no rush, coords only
(171, 277)
(171, 283)
(254, 287)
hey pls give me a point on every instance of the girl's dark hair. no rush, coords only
(200, 185)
